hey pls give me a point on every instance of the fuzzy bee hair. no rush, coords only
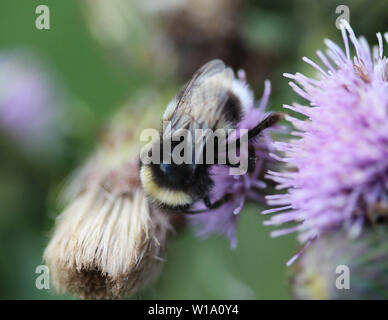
(213, 99)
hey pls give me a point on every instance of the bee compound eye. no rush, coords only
(166, 168)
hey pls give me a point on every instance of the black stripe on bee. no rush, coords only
(233, 109)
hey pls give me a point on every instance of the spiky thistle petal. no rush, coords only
(338, 162)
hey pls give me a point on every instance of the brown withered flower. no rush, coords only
(108, 241)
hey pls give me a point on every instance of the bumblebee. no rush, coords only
(213, 99)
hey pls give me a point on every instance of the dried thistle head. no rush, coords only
(106, 246)
(108, 241)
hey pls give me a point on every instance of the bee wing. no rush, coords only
(200, 103)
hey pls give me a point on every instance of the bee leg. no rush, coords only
(217, 203)
(251, 161)
(210, 205)
(233, 165)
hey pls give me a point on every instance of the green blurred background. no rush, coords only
(99, 54)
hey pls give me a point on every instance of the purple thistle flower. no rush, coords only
(338, 163)
(29, 102)
(245, 187)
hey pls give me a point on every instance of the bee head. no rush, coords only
(174, 175)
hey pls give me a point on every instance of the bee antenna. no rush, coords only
(269, 121)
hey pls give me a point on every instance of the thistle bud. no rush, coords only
(338, 266)
(108, 241)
